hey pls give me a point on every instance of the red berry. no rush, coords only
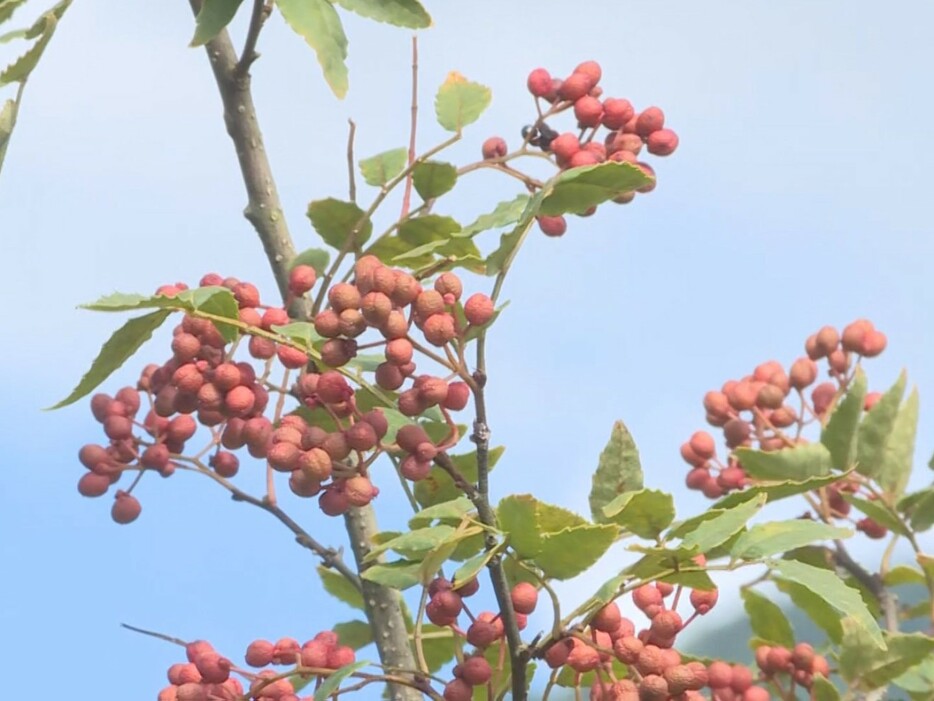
(524, 597)
(616, 112)
(552, 226)
(301, 279)
(650, 120)
(539, 82)
(126, 508)
(494, 147)
(662, 142)
(478, 309)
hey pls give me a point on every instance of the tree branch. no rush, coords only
(264, 212)
(257, 18)
(873, 582)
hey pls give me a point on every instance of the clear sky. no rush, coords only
(800, 195)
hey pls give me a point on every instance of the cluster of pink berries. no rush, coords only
(627, 132)
(755, 411)
(207, 674)
(202, 384)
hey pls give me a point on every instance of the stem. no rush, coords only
(248, 55)
(264, 212)
(407, 197)
(351, 177)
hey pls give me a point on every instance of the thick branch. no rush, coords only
(264, 212)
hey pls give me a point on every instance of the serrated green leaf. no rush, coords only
(413, 543)
(317, 22)
(119, 348)
(766, 539)
(383, 167)
(767, 619)
(354, 634)
(20, 69)
(435, 558)
(798, 463)
(439, 487)
(900, 448)
(509, 243)
(578, 189)
(449, 511)
(830, 588)
(402, 13)
(333, 682)
(504, 214)
(839, 435)
(823, 689)
(527, 520)
(646, 512)
(877, 512)
(570, 551)
(338, 586)
(401, 574)
(8, 7)
(618, 471)
(823, 615)
(712, 532)
(876, 428)
(777, 489)
(866, 667)
(460, 102)
(433, 178)
(336, 220)
(471, 568)
(213, 17)
(317, 258)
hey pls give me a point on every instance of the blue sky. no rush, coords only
(800, 195)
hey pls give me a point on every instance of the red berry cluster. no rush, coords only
(627, 131)
(756, 410)
(207, 675)
(655, 670)
(202, 384)
(800, 664)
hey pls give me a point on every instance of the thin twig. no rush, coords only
(248, 55)
(407, 197)
(351, 176)
(154, 634)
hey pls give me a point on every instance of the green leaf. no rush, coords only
(823, 690)
(417, 231)
(815, 607)
(879, 513)
(212, 18)
(402, 13)
(866, 667)
(919, 508)
(876, 428)
(355, 634)
(918, 681)
(217, 301)
(471, 568)
(527, 520)
(777, 489)
(336, 220)
(7, 122)
(316, 21)
(119, 348)
(903, 574)
(383, 167)
(338, 586)
(900, 448)
(317, 258)
(618, 471)
(509, 243)
(570, 551)
(398, 575)
(504, 214)
(460, 102)
(712, 532)
(301, 332)
(448, 511)
(434, 559)
(20, 69)
(766, 539)
(798, 463)
(830, 588)
(433, 178)
(767, 619)
(333, 682)
(578, 189)
(413, 543)
(8, 7)
(839, 435)
(646, 512)
(438, 487)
